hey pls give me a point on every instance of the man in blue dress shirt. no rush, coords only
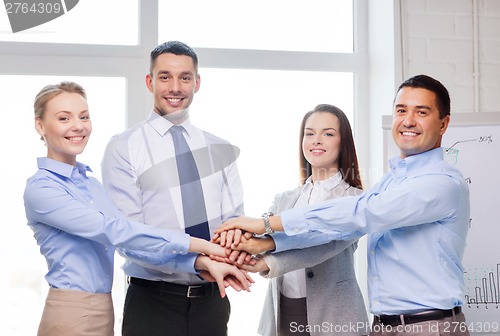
(416, 218)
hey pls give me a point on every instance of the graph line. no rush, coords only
(447, 149)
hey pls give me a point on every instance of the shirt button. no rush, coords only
(174, 251)
(375, 278)
(310, 274)
(372, 252)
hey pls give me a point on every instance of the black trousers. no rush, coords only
(293, 317)
(149, 312)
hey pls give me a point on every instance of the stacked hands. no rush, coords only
(235, 251)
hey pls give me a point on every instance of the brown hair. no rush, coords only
(348, 160)
(173, 47)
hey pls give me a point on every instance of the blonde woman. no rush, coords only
(78, 227)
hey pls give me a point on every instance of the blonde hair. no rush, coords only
(52, 90)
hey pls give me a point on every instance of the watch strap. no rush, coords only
(267, 223)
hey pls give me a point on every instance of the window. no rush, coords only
(86, 23)
(294, 25)
(260, 111)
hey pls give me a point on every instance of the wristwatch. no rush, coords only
(267, 224)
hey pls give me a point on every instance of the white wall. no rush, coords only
(457, 42)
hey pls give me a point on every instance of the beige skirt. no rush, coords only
(77, 313)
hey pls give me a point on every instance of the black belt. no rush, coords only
(193, 291)
(428, 315)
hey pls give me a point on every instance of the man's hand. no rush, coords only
(241, 246)
(227, 238)
(231, 238)
(224, 274)
(258, 266)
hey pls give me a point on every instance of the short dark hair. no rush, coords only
(426, 82)
(173, 47)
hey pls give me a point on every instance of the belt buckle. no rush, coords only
(189, 295)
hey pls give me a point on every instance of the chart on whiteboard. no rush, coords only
(475, 150)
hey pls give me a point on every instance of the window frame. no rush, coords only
(131, 62)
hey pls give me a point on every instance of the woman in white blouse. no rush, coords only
(313, 290)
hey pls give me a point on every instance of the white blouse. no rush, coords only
(294, 283)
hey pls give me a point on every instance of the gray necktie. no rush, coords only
(193, 202)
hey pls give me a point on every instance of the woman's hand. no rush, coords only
(247, 224)
(199, 245)
(254, 245)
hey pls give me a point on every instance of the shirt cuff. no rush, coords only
(269, 262)
(294, 221)
(179, 243)
(280, 241)
(185, 263)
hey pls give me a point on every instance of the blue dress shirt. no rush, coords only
(417, 218)
(77, 226)
(284, 242)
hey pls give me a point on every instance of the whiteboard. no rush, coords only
(472, 143)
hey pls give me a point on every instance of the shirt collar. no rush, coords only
(162, 125)
(417, 161)
(61, 168)
(328, 184)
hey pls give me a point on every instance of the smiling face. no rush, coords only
(173, 83)
(65, 126)
(416, 126)
(321, 144)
